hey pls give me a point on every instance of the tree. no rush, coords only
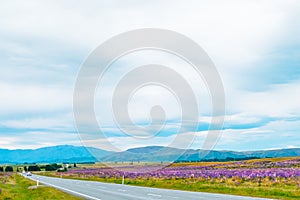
(1, 169)
(48, 168)
(33, 168)
(9, 169)
(25, 169)
(52, 167)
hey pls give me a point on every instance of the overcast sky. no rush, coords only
(255, 46)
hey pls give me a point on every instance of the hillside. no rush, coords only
(158, 154)
(64, 153)
(68, 153)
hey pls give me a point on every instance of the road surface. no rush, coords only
(107, 191)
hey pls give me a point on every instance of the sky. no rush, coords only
(255, 46)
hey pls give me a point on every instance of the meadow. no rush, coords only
(15, 187)
(277, 178)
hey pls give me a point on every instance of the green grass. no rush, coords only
(15, 187)
(204, 186)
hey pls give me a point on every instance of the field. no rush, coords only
(15, 187)
(277, 178)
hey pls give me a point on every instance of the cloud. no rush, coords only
(37, 139)
(255, 46)
(20, 99)
(281, 100)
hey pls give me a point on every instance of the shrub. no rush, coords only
(9, 169)
(53, 167)
(33, 168)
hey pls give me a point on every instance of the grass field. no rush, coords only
(15, 187)
(280, 191)
(277, 178)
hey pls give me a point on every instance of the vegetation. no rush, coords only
(16, 187)
(9, 169)
(277, 178)
(52, 167)
(218, 160)
(34, 168)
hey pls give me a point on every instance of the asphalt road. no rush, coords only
(107, 191)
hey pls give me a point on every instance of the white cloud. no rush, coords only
(42, 44)
(21, 98)
(62, 122)
(34, 140)
(281, 100)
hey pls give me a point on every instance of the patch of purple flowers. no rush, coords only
(242, 169)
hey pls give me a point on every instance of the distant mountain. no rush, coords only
(55, 154)
(68, 153)
(158, 154)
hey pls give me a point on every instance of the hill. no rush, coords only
(55, 154)
(68, 153)
(159, 154)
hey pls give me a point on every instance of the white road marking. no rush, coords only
(154, 195)
(121, 190)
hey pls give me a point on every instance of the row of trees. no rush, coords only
(34, 168)
(6, 169)
(31, 168)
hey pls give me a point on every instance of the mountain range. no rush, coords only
(79, 154)
(167, 154)
(54, 154)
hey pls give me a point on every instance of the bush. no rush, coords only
(52, 167)
(49, 168)
(9, 169)
(33, 168)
